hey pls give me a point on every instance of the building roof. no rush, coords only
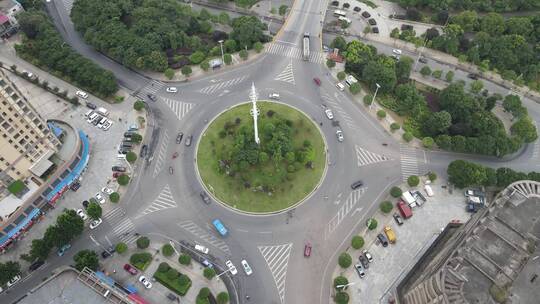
(42, 164)
(3, 19)
(7, 4)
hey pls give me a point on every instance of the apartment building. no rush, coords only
(8, 12)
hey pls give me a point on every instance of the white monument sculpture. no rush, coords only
(254, 111)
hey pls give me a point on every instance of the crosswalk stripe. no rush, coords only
(365, 157)
(204, 235)
(409, 162)
(178, 107)
(163, 201)
(208, 90)
(277, 48)
(277, 259)
(287, 75)
(344, 210)
(161, 154)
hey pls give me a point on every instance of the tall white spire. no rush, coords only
(254, 111)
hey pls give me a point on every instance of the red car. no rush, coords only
(317, 81)
(116, 174)
(130, 269)
(307, 250)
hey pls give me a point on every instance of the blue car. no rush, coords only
(63, 249)
(219, 227)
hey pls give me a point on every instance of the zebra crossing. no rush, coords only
(152, 87)
(409, 161)
(161, 154)
(211, 89)
(123, 227)
(343, 211)
(536, 150)
(287, 75)
(164, 200)
(203, 234)
(277, 259)
(69, 5)
(337, 108)
(178, 107)
(292, 52)
(364, 157)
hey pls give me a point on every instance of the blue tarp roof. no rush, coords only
(105, 279)
(35, 212)
(57, 131)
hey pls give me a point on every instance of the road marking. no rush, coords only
(364, 157)
(337, 108)
(350, 202)
(211, 89)
(161, 154)
(203, 234)
(178, 107)
(277, 259)
(409, 162)
(123, 227)
(287, 75)
(164, 200)
(278, 48)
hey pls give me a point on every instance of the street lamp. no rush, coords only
(222, 56)
(374, 95)
(344, 287)
(224, 272)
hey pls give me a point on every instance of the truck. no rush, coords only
(404, 209)
(305, 42)
(390, 234)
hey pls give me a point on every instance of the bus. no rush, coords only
(306, 46)
(219, 227)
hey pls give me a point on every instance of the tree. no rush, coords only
(355, 88)
(223, 297)
(8, 270)
(381, 114)
(114, 197)
(247, 30)
(186, 70)
(407, 136)
(493, 24)
(243, 54)
(136, 138)
(408, 100)
(403, 69)
(466, 20)
(340, 281)
(40, 249)
(339, 43)
(413, 181)
(396, 191)
(131, 157)
(368, 100)
(425, 71)
(205, 65)
(121, 247)
(209, 273)
(432, 176)
(330, 63)
(184, 259)
(169, 73)
(94, 211)
(258, 46)
(68, 226)
(371, 224)
(386, 207)
(230, 46)
(143, 242)
(123, 179)
(457, 103)
(432, 33)
(512, 104)
(525, 129)
(341, 297)
(449, 76)
(476, 86)
(167, 250)
(428, 142)
(357, 242)
(413, 14)
(86, 258)
(344, 260)
(378, 73)
(341, 75)
(227, 58)
(463, 174)
(283, 10)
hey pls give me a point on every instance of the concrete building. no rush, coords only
(26, 143)
(8, 22)
(493, 258)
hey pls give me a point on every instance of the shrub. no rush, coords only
(371, 224)
(123, 179)
(163, 267)
(437, 74)
(167, 250)
(449, 76)
(114, 197)
(396, 191)
(386, 207)
(136, 138)
(209, 273)
(394, 127)
(204, 293)
(330, 63)
(368, 99)
(357, 242)
(186, 70)
(205, 65)
(222, 298)
(413, 181)
(341, 75)
(243, 54)
(381, 114)
(184, 259)
(169, 73)
(121, 247)
(282, 10)
(258, 47)
(340, 280)
(227, 58)
(197, 57)
(140, 259)
(344, 260)
(341, 297)
(171, 274)
(432, 176)
(428, 142)
(143, 242)
(407, 136)
(131, 157)
(355, 88)
(138, 105)
(425, 71)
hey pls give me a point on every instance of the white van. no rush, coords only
(428, 189)
(92, 117)
(349, 80)
(121, 156)
(102, 111)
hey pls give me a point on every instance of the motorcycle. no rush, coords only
(170, 170)
(175, 155)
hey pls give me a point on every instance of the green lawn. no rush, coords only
(293, 186)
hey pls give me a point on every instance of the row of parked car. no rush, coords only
(98, 118)
(363, 263)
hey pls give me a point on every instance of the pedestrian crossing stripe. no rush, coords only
(409, 162)
(199, 232)
(161, 154)
(364, 157)
(180, 109)
(287, 75)
(122, 226)
(164, 200)
(344, 210)
(277, 259)
(292, 52)
(222, 85)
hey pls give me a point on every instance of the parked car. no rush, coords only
(317, 81)
(132, 270)
(205, 197)
(397, 51)
(363, 261)
(13, 281)
(368, 255)
(119, 169)
(231, 267)
(375, 30)
(372, 21)
(63, 249)
(81, 94)
(473, 76)
(390, 234)
(357, 9)
(329, 114)
(429, 190)
(423, 60)
(107, 191)
(339, 135)
(398, 219)
(188, 140)
(172, 297)
(474, 192)
(100, 198)
(360, 270)
(145, 282)
(85, 204)
(382, 239)
(75, 186)
(95, 223)
(201, 248)
(172, 90)
(357, 185)
(307, 250)
(340, 86)
(247, 268)
(90, 105)
(36, 265)
(366, 15)
(274, 96)
(179, 137)
(81, 214)
(404, 209)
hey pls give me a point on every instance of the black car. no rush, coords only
(107, 253)
(75, 186)
(179, 137)
(205, 197)
(90, 105)
(127, 144)
(473, 76)
(423, 60)
(172, 297)
(356, 9)
(152, 97)
(357, 185)
(375, 30)
(85, 204)
(36, 265)
(398, 219)
(366, 15)
(188, 140)
(119, 169)
(144, 150)
(129, 134)
(364, 261)
(382, 238)
(335, 3)
(372, 21)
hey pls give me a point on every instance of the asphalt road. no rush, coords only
(272, 244)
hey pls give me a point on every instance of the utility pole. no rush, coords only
(254, 111)
(374, 95)
(222, 55)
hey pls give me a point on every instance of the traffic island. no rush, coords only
(277, 173)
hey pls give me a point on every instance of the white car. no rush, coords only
(329, 114)
(340, 86)
(274, 96)
(13, 281)
(106, 190)
(231, 267)
(172, 90)
(95, 223)
(339, 135)
(145, 282)
(82, 94)
(247, 268)
(83, 215)
(100, 198)
(201, 248)
(396, 51)
(107, 125)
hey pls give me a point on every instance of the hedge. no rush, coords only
(174, 284)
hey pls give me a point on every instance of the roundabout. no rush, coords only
(277, 174)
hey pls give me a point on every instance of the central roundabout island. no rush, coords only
(277, 173)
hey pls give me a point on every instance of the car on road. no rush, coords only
(207, 264)
(423, 60)
(95, 223)
(397, 51)
(317, 81)
(13, 281)
(179, 137)
(274, 96)
(201, 248)
(329, 114)
(357, 185)
(366, 15)
(34, 266)
(340, 86)
(81, 214)
(171, 90)
(473, 76)
(119, 169)
(63, 249)
(152, 97)
(205, 197)
(339, 135)
(220, 227)
(132, 270)
(382, 238)
(368, 255)
(107, 253)
(85, 204)
(231, 267)
(307, 250)
(363, 261)
(81, 94)
(91, 105)
(360, 270)
(145, 282)
(247, 268)
(188, 140)
(398, 219)
(100, 197)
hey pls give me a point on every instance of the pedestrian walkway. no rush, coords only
(409, 161)
(68, 4)
(151, 88)
(364, 157)
(344, 210)
(164, 200)
(179, 108)
(204, 235)
(281, 49)
(123, 227)
(211, 89)
(161, 154)
(287, 75)
(277, 259)
(338, 109)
